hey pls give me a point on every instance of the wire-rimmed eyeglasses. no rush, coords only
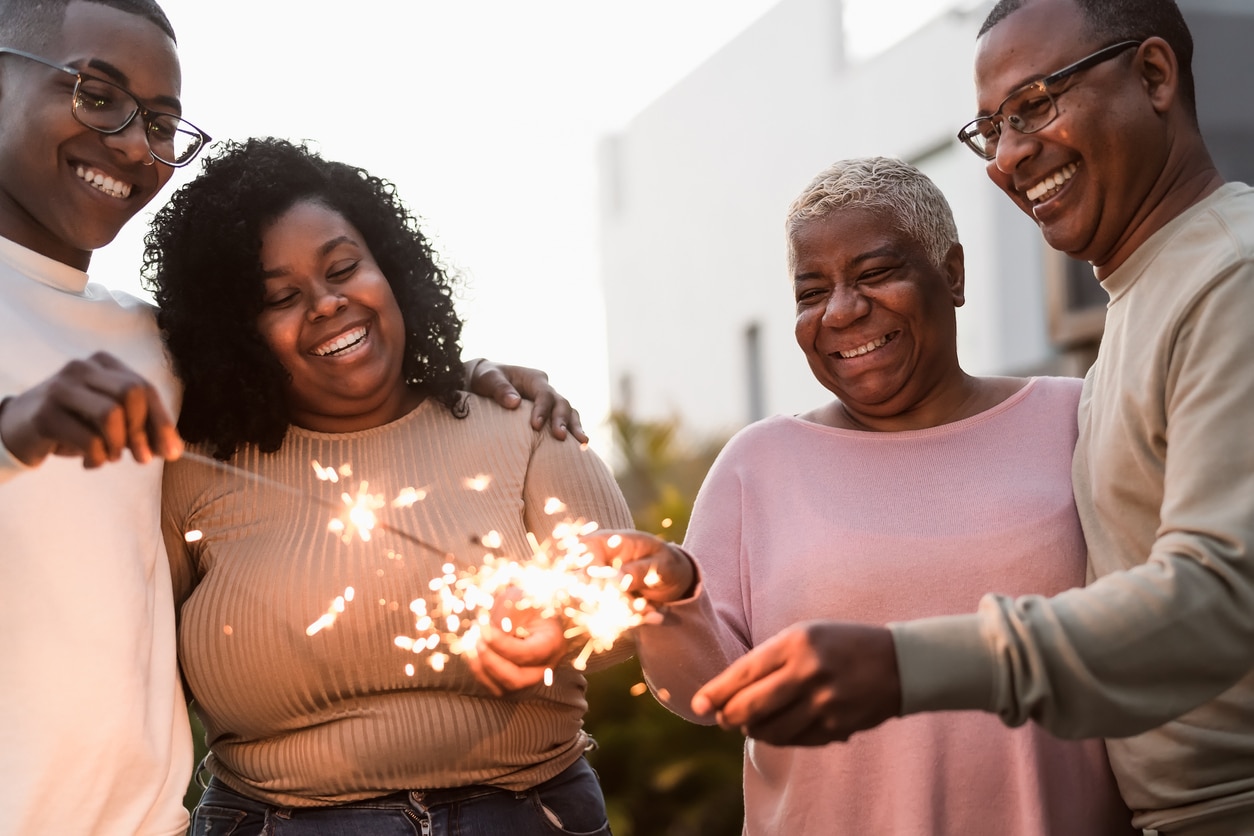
(1031, 107)
(109, 108)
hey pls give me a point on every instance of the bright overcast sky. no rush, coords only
(486, 114)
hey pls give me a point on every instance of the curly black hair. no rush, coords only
(202, 261)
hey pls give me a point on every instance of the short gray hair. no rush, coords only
(903, 193)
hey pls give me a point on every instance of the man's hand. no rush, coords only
(508, 385)
(810, 684)
(660, 573)
(94, 408)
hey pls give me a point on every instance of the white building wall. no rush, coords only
(694, 192)
(695, 189)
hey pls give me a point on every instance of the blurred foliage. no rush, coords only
(662, 776)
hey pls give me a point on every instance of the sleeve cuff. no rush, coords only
(944, 664)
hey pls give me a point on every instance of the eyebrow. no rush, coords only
(886, 251)
(325, 249)
(121, 79)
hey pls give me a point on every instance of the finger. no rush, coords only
(542, 409)
(83, 415)
(542, 646)
(560, 417)
(504, 673)
(740, 674)
(474, 660)
(160, 428)
(491, 382)
(135, 405)
(145, 425)
(664, 576)
(764, 700)
(575, 426)
(625, 546)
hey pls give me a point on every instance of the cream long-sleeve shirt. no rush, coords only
(1164, 479)
(94, 736)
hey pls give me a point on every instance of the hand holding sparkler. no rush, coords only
(517, 651)
(95, 408)
(660, 572)
(808, 685)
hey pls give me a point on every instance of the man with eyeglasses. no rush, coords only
(94, 734)
(1088, 123)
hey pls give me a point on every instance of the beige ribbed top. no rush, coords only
(305, 720)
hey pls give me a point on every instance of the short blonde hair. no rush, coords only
(905, 194)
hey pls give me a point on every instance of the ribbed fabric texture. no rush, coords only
(305, 720)
(798, 521)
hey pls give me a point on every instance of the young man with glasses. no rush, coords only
(1088, 123)
(94, 735)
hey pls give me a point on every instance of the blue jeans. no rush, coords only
(569, 803)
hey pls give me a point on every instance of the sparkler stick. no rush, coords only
(226, 467)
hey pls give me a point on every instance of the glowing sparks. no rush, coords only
(560, 579)
(491, 540)
(479, 482)
(194, 535)
(553, 505)
(639, 689)
(333, 612)
(408, 497)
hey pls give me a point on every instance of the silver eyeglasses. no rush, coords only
(109, 108)
(1031, 107)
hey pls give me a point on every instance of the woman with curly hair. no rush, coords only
(314, 329)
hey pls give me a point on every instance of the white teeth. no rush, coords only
(1051, 182)
(103, 182)
(863, 349)
(341, 342)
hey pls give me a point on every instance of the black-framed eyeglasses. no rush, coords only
(1031, 107)
(109, 108)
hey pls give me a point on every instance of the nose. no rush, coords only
(845, 305)
(327, 301)
(1013, 148)
(132, 141)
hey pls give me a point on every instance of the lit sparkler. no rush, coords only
(560, 579)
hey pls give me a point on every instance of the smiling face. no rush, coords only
(332, 321)
(875, 317)
(65, 189)
(1088, 178)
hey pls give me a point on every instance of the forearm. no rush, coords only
(689, 648)
(1126, 654)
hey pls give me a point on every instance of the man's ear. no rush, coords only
(956, 274)
(1160, 73)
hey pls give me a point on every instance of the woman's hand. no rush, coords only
(516, 653)
(660, 572)
(508, 385)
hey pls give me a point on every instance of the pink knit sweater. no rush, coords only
(798, 521)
